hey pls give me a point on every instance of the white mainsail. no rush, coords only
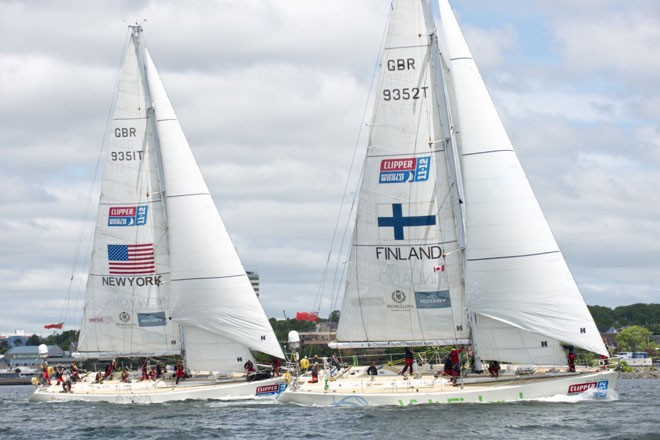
(183, 286)
(124, 312)
(404, 283)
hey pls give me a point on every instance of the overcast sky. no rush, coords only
(272, 95)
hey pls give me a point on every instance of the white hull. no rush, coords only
(161, 391)
(399, 391)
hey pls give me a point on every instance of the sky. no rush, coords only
(272, 95)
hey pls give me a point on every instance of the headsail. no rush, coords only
(517, 282)
(404, 283)
(209, 289)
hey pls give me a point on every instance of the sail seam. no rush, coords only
(460, 58)
(186, 195)
(415, 153)
(486, 152)
(407, 47)
(207, 278)
(414, 244)
(504, 257)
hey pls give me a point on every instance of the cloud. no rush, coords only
(272, 96)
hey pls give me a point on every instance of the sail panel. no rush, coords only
(500, 341)
(206, 351)
(515, 272)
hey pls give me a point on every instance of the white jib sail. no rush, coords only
(516, 276)
(209, 288)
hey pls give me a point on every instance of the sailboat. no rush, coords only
(450, 246)
(165, 278)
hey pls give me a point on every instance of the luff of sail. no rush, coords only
(124, 310)
(404, 283)
(521, 295)
(209, 291)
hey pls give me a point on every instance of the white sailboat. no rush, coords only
(165, 278)
(450, 246)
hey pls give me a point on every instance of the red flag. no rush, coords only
(58, 325)
(307, 316)
(439, 268)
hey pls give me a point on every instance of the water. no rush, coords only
(633, 415)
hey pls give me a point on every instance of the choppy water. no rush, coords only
(634, 414)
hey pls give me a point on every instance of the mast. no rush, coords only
(141, 52)
(445, 136)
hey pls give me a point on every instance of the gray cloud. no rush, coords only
(272, 95)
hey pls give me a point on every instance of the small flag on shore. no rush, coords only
(440, 268)
(59, 325)
(307, 316)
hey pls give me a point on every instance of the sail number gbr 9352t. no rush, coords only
(404, 93)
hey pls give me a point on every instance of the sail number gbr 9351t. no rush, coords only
(129, 155)
(126, 155)
(405, 93)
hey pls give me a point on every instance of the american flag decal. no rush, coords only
(131, 259)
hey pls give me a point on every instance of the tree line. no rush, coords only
(643, 315)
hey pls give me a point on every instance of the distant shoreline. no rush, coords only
(645, 373)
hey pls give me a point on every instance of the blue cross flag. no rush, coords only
(398, 221)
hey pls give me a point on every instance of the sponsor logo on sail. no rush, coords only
(127, 215)
(399, 298)
(433, 300)
(156, 319)
(100, 320)
(408, 169)
(124, 317)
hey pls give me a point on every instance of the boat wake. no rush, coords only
(588, 396)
